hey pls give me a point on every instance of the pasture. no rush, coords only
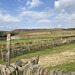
(44, 33)
(55, 57)
(27, 35)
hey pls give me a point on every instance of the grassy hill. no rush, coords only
(38, 34)
(44, 33)
(61, 57)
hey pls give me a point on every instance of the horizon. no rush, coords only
(38, 29)
(36, 14)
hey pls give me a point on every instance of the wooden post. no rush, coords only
(2, 54)
(8, 50)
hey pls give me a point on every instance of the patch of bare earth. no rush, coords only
(56, 59)
(15, 37)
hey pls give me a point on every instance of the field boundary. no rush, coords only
(21, 50)
(32, 68)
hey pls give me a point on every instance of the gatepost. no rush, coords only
(8, 50)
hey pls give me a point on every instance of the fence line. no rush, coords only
(21, 50)
(34, 42)
(32, 68)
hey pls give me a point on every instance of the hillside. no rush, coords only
(56, 57)
(39, 33)
(44, 33)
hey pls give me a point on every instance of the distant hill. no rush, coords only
(44, 33)
(40, 30)
(39, 33)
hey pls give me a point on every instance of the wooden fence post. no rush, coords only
(8, 50)
(2, 54)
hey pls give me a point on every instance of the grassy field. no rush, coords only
(66, 67)
(61, 57)
(27, 35)
(44, 33)
(30, 40)
(23, 40)
(39, 33)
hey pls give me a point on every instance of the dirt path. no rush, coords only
(56, 59)
(15, 37)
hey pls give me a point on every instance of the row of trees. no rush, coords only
(4, 33)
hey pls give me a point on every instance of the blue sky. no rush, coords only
(36, 14)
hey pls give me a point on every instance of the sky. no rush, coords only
(36, 14)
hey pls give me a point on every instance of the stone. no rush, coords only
(19, 63)
(60, 73)
(46, 71)
(52, 72)
(73, 73)
(56, 71)
(33, 60)
(20, 70)
(3, 70)
(37, 59)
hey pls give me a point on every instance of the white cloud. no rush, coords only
(65, 17)
(2, 26)
(7, 27)
(59, 25)
(34, 3)
(35, 14)
(66, 13)
(22, 8)
(8, 18)
(28, 3)
(0, 11)
(56, 4)
(62, 13)
(68, 5)
(44, 21)
(63, 10)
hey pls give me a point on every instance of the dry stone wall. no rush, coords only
(24, 49)
(32, 68)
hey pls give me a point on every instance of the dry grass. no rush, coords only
(56, 59)
(55, 56)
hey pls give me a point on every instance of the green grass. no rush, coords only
(66, 67)
(30, 40)
(2, 42)
(52, 50)
(23, 40)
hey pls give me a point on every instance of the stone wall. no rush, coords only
(32, 68)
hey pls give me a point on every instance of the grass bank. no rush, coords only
(66, 67)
